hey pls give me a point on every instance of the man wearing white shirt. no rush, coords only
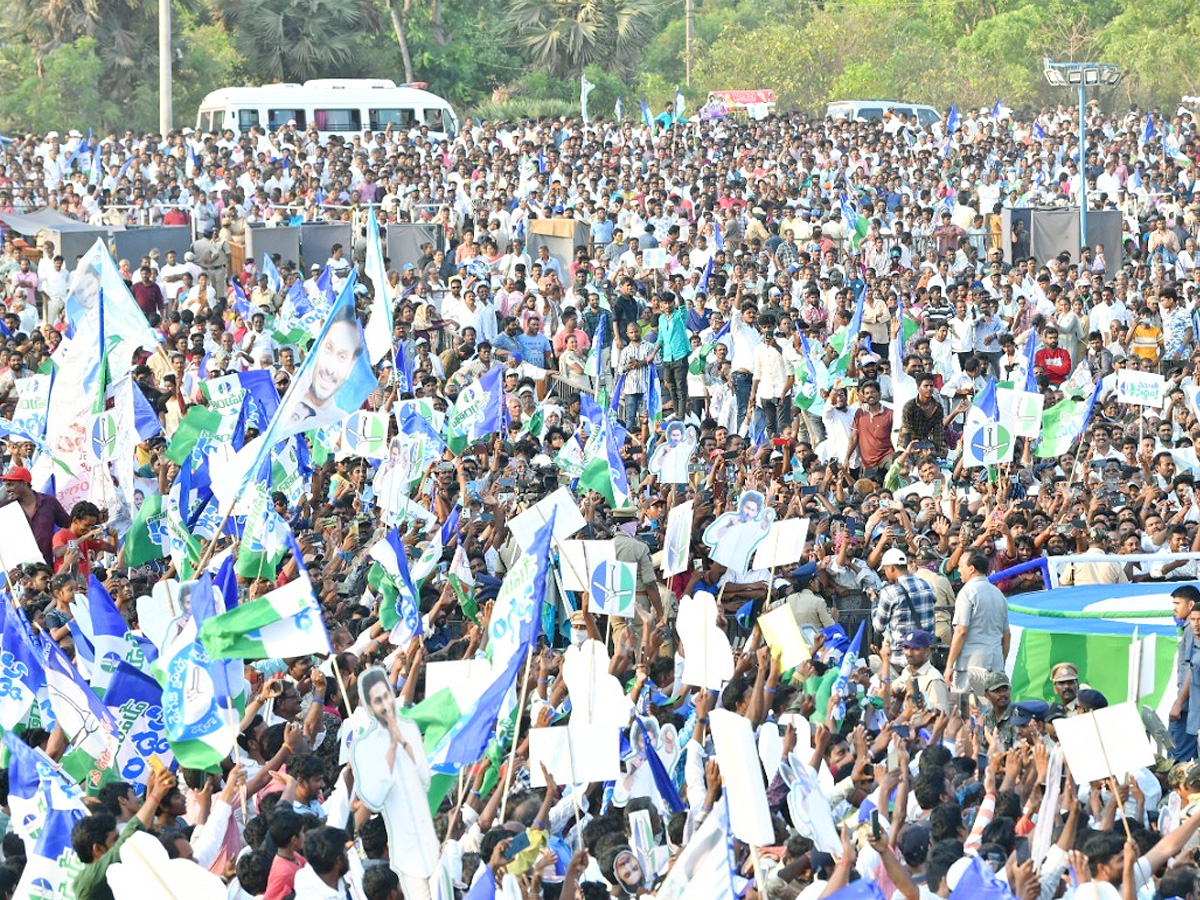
(172, 277)
(55, 285)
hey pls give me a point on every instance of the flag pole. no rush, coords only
(237, 757)
(575, 787)
(337, 672)
(512, 756)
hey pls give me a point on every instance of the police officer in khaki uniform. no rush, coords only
(1065, 679)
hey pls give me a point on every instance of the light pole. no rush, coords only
(1081, 74)
(165, 109)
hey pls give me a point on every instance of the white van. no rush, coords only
(873, 110)
(341, 106)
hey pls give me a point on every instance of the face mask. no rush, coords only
(578, 636)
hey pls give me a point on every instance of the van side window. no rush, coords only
(927, 117)
(398, 118)
(247, 119)
(435, 119)
(337, 119)
(277, 118)
(870, 113)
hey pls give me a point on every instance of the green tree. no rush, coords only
(564, 36)
(295, 40)
(1156, 44)
(62, 88)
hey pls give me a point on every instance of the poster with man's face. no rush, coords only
(334, 380)
(669, 460)
(733, 536)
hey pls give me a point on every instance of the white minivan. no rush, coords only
(342, 106)
(873, 110)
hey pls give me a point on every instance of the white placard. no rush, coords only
(708, 658)
(575, 754)
(654, 258)
(568, 518)
(677, 543)
(783, 545)
(1021, 411)
(1140, 388)
(597, 696)
(579, 560)
(1110, 741)
(467, 677)
(18, 546)
(741, 770)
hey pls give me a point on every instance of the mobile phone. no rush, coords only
(779, 442)
(505, 483)
(808, 490)
(875, 833)
(519, 843)
(901, 730)
(729, 454)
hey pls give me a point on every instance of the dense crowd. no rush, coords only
(833, 306)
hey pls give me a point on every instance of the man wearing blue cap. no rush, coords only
(808, 607)
(919, 673)
(1029, 719)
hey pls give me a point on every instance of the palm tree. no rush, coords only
(563, 36)
(294, 40)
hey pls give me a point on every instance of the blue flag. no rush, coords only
(392, 556)
(51, 868)
(662, 781)
(708, 268)
(863, 889)
(654, 411)
(1038, 131)
(334, 379)
(274, 280)
(239, 302)
(484, 887)
(1148, 130)
(996, 109)
(413, 424)
(21, 671)
(647, 116)
(841, 684)
(112, 642)
(978, 882)
(952, 122)
(135, 700)
(516, 619)
(404, 370)
(1031, 384)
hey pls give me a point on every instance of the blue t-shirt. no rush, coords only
(535, 349)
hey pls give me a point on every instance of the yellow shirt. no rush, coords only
(1144, 341)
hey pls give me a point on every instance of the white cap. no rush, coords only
(187, 129)
(74, 132)
(51, 134)
(894, 557)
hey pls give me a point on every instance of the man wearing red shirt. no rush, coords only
(1053, 359)
(87, 536)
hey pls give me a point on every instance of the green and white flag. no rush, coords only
(570, 457)
(197, 425)
(462, 582)
(264, 539)
(147, 539)
(603, 469)
(1063, 422)
(284, 623)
